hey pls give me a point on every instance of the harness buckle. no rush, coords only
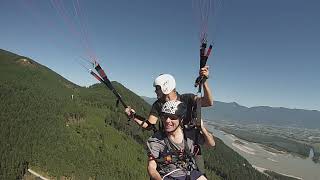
(168, 159)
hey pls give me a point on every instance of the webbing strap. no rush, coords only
(187, 155)
(144, 120)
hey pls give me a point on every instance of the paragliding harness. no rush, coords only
(183, 159)
(105, 80)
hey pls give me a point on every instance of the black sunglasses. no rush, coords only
(171, 116)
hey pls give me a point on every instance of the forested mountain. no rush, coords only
(278, 116)
(66, 131)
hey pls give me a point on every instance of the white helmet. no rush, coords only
(166, 82)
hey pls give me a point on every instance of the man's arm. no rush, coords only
(152, 119)
(208, 137)
(152, 170)
(207, 99)
(144, 124)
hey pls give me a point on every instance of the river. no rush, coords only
(284, 163)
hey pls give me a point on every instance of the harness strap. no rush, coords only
(144, 120)
(150, 126)
(176, 155)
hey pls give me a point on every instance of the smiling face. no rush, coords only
(172, 115)
(170, 122)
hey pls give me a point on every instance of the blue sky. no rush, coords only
(265, 53)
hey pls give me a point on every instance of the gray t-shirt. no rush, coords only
(157, 148)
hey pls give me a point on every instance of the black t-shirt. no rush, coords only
(188, 99)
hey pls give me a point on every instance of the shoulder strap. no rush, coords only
(186, 147)
(171, 146)
(189, 154)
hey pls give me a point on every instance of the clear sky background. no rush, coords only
(266, 52)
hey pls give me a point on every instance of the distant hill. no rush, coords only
(85, 137)
(263, 115)
(259, 115)
(149, 100)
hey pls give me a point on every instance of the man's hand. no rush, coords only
(201, 123)
(130, 112)
(204, 71)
